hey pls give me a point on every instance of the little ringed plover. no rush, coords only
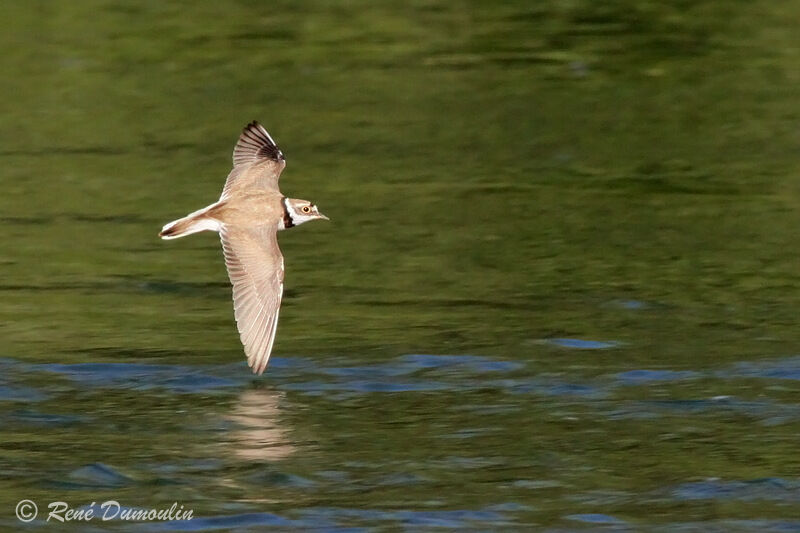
(248, 216)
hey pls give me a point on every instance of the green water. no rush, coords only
(559, 290)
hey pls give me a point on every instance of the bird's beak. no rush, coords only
(320, 215)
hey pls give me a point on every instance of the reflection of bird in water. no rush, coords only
(259, 435)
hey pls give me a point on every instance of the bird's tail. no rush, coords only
(191, 223)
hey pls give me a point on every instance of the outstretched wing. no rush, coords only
(257, 161)
(255, 268)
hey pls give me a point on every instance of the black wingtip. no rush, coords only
(255, 143)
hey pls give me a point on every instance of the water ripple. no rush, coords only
(641, 377)
(595, 518)
(450, 519)
(229, 522)
(582, 344)
(15, 393)
(768, 413)
(97, 475)
(787, 368)
(140, 376)
(770, 489)
(732, 526)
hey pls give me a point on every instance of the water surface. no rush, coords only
(558, 291)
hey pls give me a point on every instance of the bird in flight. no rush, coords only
(248, 216)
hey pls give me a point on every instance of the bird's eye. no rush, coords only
(306, 209)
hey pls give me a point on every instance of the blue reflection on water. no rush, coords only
(582, 344)
(772, 489)
(595, 518)
(639, 377)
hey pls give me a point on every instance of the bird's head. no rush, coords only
(298, 211)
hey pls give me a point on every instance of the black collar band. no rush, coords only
(287, 215)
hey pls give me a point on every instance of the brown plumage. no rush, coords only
(248, 216)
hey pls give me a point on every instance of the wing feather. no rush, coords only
(255, 268)
(257, 161)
